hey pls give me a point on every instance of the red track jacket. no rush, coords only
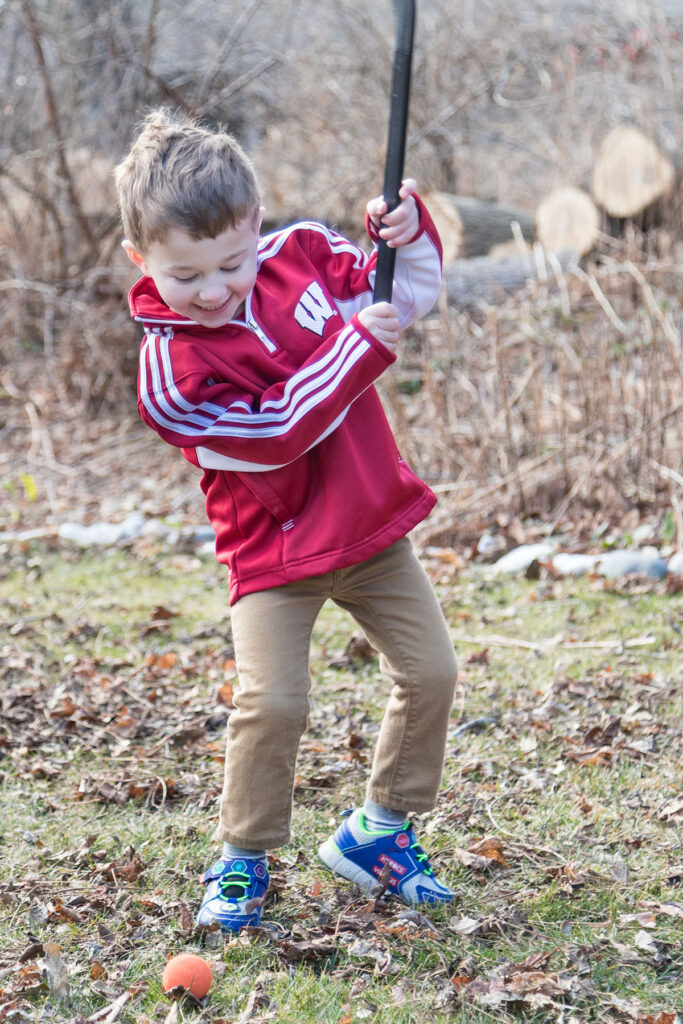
(301, 470)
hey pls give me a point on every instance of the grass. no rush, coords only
(564, 752)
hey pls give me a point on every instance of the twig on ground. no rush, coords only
(543, 646)
(108, 1014)
(527, 847)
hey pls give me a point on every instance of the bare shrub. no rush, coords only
(78, 78)
(560, 399)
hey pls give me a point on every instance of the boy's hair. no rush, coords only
(181, 174)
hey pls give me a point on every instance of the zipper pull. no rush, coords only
(263, 338)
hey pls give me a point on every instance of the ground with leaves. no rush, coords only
(558, 824)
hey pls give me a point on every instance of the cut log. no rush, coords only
(483, 282)
(568, 219)
(484, 224)
(630, 173)
(448, 224)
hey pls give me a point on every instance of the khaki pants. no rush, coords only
(391, 599)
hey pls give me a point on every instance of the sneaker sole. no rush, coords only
(336, 861)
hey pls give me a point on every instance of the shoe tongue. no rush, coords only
(233, 890)
(234, 883)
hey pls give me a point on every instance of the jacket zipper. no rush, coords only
(262, 336)
(269, 345)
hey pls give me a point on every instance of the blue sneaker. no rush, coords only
(357, 853)
(236, 891)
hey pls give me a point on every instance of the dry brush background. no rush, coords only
(557, 399)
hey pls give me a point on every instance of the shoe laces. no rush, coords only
(235, 885)
(422, 858)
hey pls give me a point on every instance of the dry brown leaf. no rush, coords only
(98, 971)
(162, 661)
(670, 909)
(125, 723)
(127, 869)
(56, 973)
(473, 860)
(160, 613)
(225, 695)
(645, 920)
(461, 981)
(591, 756)
(465, 925)
(534, 962)
(671, 809)
(186, 918)
(479, 657)
(491, 848)
(644, 941)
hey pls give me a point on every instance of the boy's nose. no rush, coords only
(211, 289)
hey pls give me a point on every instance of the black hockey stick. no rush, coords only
(404, 11)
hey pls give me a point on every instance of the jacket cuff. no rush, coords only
(378, 346)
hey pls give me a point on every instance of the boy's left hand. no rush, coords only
(400, 226)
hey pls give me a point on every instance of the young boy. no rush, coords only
(258, 362)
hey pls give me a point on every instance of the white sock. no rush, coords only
(230, 852)
(382, 819)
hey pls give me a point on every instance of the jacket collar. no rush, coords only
(147, 306)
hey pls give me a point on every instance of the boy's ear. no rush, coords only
(133, 255)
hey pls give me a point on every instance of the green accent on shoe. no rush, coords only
(382, 831)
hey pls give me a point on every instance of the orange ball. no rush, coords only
(190, 971)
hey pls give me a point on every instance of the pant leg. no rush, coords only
(271, 633)
(391, 598)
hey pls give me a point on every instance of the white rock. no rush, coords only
(675, 564)
(645, 531)
(102, 534)
(132, 526)
(155, 528)
(490, 544)
(568, 564)
(647, 562)
(200, 534)
(521, 558)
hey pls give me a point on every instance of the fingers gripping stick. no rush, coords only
(396, 144)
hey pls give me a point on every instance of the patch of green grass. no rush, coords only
(564, 748)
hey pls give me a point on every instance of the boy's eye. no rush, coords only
(230, 270)
(184, 280)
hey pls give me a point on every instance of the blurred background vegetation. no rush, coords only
(562, 394)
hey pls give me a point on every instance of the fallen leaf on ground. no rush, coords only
(645, 920)
(491, 848)
(473, 860)
(644, 940)
(225, 695)
(671, 809)
(56, 973)
(591, 756)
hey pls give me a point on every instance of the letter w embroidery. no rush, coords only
(313, 310)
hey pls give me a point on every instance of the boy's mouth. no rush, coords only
(214, 309)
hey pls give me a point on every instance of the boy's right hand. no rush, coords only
(381, 320)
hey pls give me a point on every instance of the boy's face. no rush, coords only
(206, 279)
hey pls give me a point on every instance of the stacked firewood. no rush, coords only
(491, 250)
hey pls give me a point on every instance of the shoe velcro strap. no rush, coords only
(215, 871)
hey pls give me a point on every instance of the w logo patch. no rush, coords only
(313, 310)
